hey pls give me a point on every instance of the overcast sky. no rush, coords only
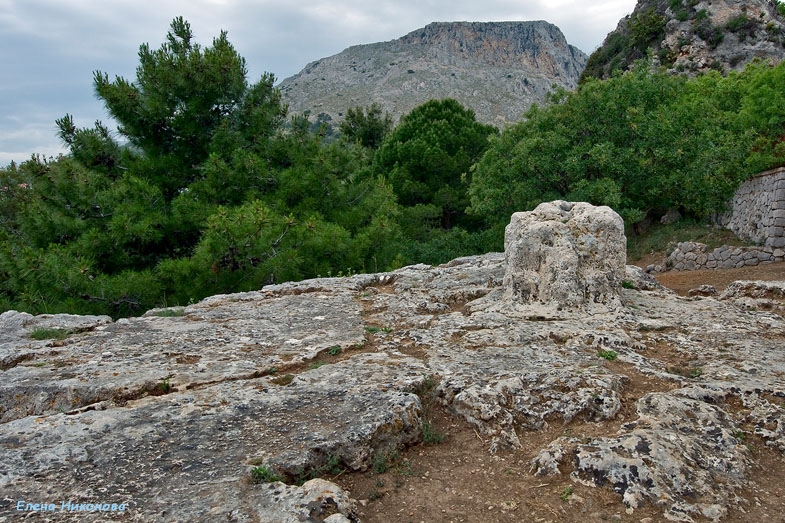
(50, 48)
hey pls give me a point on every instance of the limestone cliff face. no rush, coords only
(498, 69)
(693, 37)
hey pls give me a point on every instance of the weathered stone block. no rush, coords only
(777, 243)
(564, 255)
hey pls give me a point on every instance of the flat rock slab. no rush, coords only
(220, 339)
(201, 444)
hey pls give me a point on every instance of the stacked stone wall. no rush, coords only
(689, 256)
(757, 215)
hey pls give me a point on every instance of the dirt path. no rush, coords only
(683, 281)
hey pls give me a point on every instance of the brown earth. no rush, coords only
(458, 480)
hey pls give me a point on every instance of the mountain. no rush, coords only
(693, 36)
(498, 69)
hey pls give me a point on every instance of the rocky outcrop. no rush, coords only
(498, 69)
(693, 36)
(564, 257)
(233, 402)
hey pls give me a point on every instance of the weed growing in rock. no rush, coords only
(169, 313)
(164, 387)
(608, 355)
(565, 494)
(263, 474)
(373, 330)
(332, 467)
(428, 395)
(626, 284)
(286, 379)
(334, 351)
(42, 333)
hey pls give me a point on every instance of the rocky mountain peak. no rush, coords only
(693, 36)
(498, 69)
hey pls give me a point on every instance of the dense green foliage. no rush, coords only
(367, 126)
(639, 142)
(428, 152)
(211, 188)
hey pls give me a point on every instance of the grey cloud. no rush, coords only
(50, 48)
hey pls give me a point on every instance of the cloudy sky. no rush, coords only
(50, 48)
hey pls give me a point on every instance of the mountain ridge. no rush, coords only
(498, 69)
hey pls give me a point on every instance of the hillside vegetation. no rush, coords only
(211, 188)
(693, 36)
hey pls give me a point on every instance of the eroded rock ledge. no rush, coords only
(182, 404)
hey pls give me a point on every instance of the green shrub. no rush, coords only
(263, 474)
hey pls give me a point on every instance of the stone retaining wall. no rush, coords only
(689, 256)
(758, 210)
(757, 215)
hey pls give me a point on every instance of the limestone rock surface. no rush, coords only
(297, 379)
(565, 256)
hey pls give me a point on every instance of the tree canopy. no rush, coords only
(638, 142)
(211, 188)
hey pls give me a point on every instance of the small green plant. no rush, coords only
(334, 351)
(332, 467)
(384, 461)
(263, 474)
(608, 355)
(286, 379)
(373, 330)
(626, 284)
(740, 435)
(164, 387)
(696, 373)
(430, 434)
(315, 365)
(565, 494)
(43, 333)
